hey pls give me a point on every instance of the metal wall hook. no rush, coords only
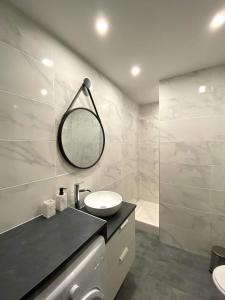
(85, 88)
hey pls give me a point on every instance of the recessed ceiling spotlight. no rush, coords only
(135, 71)
(47, 62)
(217, 21)
(102, 26)
(202, 89)
(44, 92)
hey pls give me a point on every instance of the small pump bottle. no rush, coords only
(61, 200)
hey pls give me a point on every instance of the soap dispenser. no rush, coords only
(61, 200)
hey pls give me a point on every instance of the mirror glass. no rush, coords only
(81, 138)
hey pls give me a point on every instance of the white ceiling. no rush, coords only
(165, 37)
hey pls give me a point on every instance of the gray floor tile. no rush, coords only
(163, 272)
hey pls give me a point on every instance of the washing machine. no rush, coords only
(82, 278)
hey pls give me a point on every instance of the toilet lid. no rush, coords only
(219, 278)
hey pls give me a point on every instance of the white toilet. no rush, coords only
(219, 278)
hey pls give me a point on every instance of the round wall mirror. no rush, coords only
(81, 138)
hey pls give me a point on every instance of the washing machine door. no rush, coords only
(94, 294)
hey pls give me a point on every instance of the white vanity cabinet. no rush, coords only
(120, 253)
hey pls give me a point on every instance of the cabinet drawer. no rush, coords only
(123, 237)
(120, 252)
(119, 273)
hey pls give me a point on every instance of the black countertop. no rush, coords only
(28, 252)
(31, 252)
(114, 222)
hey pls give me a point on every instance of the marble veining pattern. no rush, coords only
(33, 98)
(192, 166)
(148, 152)
(22, 119)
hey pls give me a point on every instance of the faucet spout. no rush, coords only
(85, 190)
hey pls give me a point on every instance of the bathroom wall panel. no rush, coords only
(22, 75)
(192, 166)
(203, 129)
(184, 174)
(25, 161)
(194, 241)
(185, 196)
(17, 31)
(185, 218)
(217, 178)
(22, 119)
(148, 152)
(148, 187)
(180, 97)
(217, 202)
(193, 153)
(130, 158)
(23, 202)
(29, 119)
(129, 187)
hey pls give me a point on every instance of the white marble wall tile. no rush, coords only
(62, 167)
(188, 84)
(66, 61)
(217, 202)
(30, 77)
(112, 120)
(194, 241)
(23, 34)
(193, 153)
(22, 203)
(129, 159)
(202, 105)
(116, 186)
(183, 174)
(192, 171)
(72, 69)
(28, 150)
(65, 89)
(148, 152)
(193, 130)
(26, 161)
(217, 178)
(185, 196)
(22, 119)
(148, 188)
(180, 96)
(149, 111)
(129, 127)
(185, 218)
(151, 169)
(129, 187)
(112, 94)
(148, 131)
(111, 166)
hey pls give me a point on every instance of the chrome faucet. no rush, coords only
(77, 192)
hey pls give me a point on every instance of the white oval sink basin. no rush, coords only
(103, 203)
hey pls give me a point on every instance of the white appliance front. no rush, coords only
(82, 278)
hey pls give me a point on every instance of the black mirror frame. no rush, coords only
(59, 136)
